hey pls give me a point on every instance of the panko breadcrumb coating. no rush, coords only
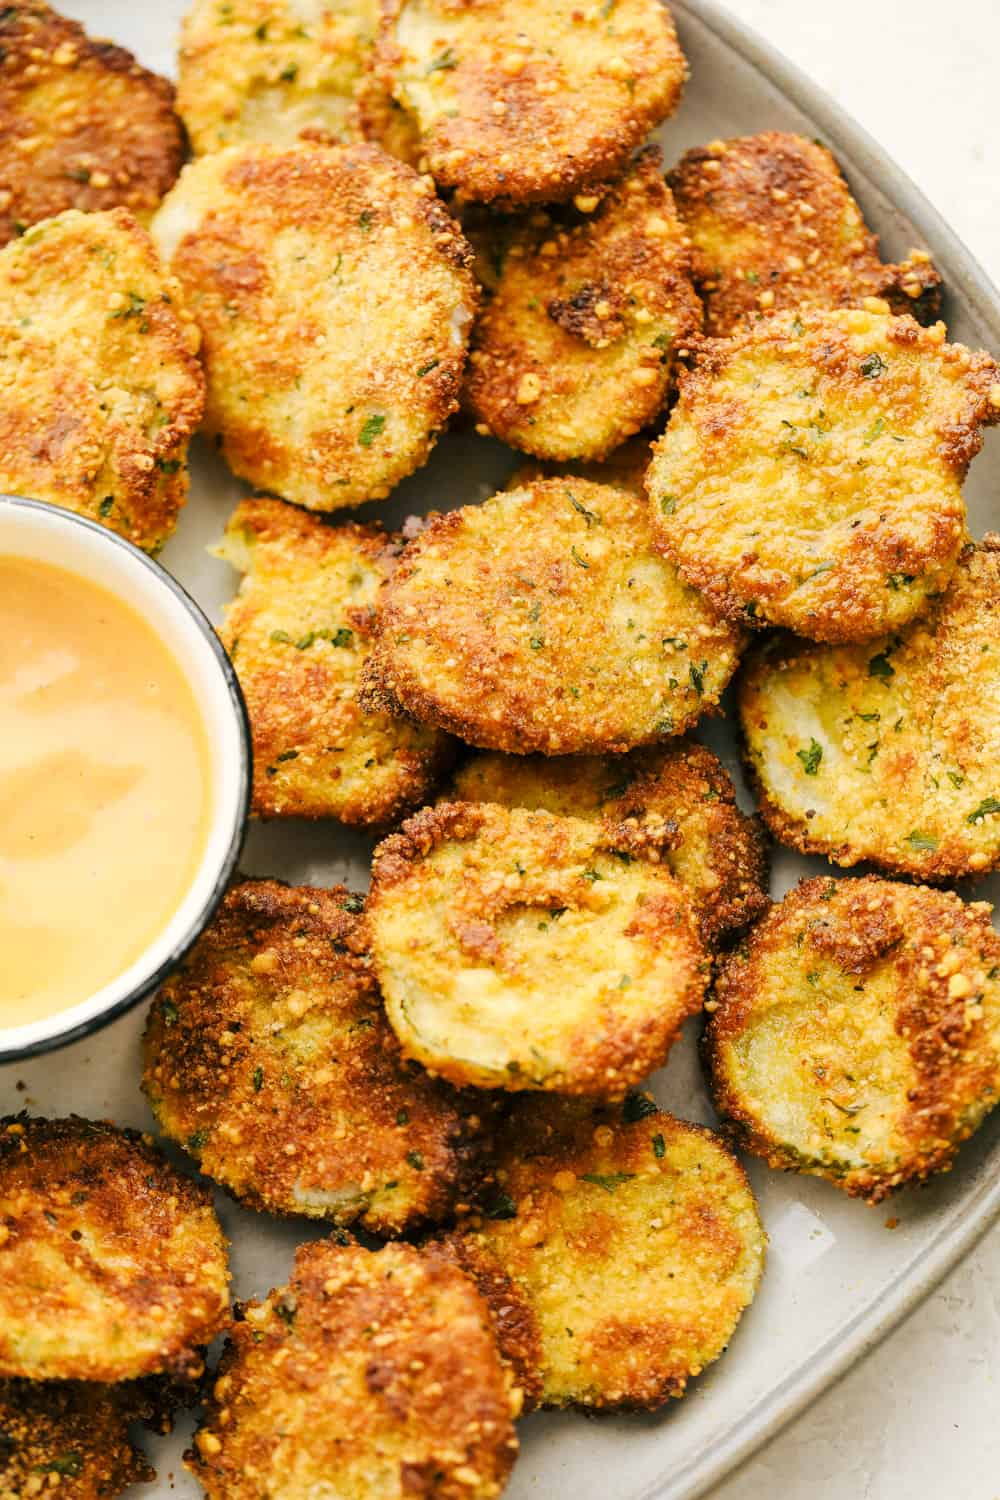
(112, 1265)
(530, 101)
(100, 389)
(618, 1252)
(574, 351)
(82, 125)
(269, 1058)
(298, 633)
(267, 70)
(856, 1035)
(544, 621)
(774, 227)
(810, 475)
(520, 950)
(70, 1437)
(676, 802)
(376, 1372)
(334, 298)
(888, 752)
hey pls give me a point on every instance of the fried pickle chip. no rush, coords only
(70, 1435)
(810, 475)
(573, 352)
(544, 621)
(269, 1058)
(334, 299)
(674, 803)
(112, 1265)
(856, 1035)
(617, 1252)
(379, 1369)
(774, 227)
(100, 386)
(267, 70)
(528, 101)
(298, 633)
(82, 125)
(888, 752)
(520, 950)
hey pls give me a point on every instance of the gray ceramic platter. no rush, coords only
(838, 1279)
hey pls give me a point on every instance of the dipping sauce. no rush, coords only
(104, 788)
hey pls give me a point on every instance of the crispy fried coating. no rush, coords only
(67, 1435)
(528, 101)
(857, 1032)
(382, 120)
(334, 299)
(675, 803)
(888, 752)
(269, 1058)
(298, 633)
(112, 1265)
(774, 227)
(82, 125)
(810, 475)
(544, 621)
(100, 386)
(520, 950)
(617, 1252)
(378, 1373)
(267, 70)
(574, 351)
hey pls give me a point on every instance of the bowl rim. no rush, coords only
(231, 693)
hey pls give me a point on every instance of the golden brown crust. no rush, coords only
(67, 1435)
(887, 752)
(82, 125)
(543, 621)
(101, 387)
(518, 950)
(112, 1265)
(674, 804)
(530, 101)
(268, 1057)
(617, 1252)
(810, 475)
(299, 632)
(334, 297)
(380, 1369)
(574, 351)
(854, 1034)
(774, 227)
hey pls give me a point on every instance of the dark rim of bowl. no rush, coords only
(245, 772)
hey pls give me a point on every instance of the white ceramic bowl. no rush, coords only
(32, 529)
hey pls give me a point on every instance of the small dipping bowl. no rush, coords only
(47, 534)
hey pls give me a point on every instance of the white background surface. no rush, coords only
(920, 1418)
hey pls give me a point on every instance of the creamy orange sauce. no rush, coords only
(104, 788)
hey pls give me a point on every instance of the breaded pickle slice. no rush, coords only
(82, 125)
(268, 1057)
(334, 298)
(113, 1264)
(543, 620)
(674, 803)
(857, 1032)
(519, 950)
(887, 751)
(299, 632)
(774, 226)
(69, 1436)
(810, 475)
(376, 1373)
(618, 1252)
(101, 386)
(528, 101)
(573, 353)
(266, 70)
